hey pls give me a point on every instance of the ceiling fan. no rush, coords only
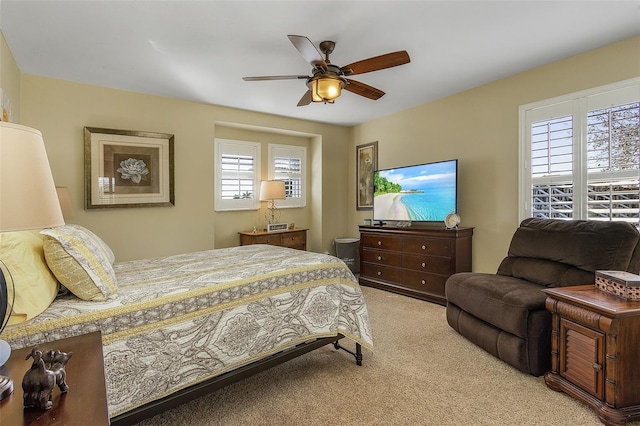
(327, 80)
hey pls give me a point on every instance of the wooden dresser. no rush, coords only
(595, 351)
(414, 261)
(292, 238)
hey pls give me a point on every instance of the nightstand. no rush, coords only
(595, 351)
(292, 238)
(84, 404)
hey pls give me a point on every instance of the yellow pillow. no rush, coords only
(79, 263)
(35, 285)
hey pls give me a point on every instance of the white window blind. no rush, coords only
(288, 163)
(580, 155)
(237, 175)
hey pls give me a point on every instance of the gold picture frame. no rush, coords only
(126, 168)
(366, 164)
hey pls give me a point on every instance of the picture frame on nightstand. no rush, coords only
(272, 227)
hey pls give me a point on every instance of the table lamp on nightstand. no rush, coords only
(28, 200)
(272, 190)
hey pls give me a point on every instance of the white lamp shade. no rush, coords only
(65, 202)
(272, 190)
(28, 198)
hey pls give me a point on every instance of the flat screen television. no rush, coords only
(418, 193)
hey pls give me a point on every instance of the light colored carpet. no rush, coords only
(421, 372)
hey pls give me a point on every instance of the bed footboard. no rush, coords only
(185, 395)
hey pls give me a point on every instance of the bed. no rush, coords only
(176, 327)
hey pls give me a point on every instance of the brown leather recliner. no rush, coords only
(505, 313)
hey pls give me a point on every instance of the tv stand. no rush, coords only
(413, 261)
(380, 223)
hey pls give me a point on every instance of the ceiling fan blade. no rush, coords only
(363, 90)
(376, 63)
(305, 99)
(308, 51)
(276, 77)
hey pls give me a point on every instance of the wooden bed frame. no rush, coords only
(200, 389)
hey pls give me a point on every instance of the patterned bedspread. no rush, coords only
(182, 319)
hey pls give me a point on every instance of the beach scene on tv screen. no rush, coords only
(417, 193)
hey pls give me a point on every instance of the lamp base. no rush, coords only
(6, 387)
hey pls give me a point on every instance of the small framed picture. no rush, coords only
(366, 164)
(271, 227)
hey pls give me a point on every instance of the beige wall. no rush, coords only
(61, 109)
(480, 128)
(9, 78)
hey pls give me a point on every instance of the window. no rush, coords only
(580, 155)
(288, 163)
(237, 175)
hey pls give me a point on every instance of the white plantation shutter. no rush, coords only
(288, 163)
(580, 155)
(237, 175)
(552, 167)
(613, 162)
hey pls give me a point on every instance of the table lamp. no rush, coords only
(28, 200)
(272, 190)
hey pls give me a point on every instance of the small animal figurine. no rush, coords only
(38, 382)
(47, 371)
(56, 361)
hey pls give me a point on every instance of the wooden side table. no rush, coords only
(292, 238)
(595, 351)
(84, 404)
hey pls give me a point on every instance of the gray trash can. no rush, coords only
(348, 250)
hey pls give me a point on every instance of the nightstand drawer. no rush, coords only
(274, 240)
(294, 239)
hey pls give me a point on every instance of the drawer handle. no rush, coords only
(424, 281)
(379, 243)
(379, 273)
(424, 264)
(596, 367)
(424, 247)
(379, 257)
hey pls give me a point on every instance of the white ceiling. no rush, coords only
(200, 50)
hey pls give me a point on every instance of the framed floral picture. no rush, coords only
(366, 164)
(124, 168)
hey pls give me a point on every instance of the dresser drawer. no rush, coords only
(427, 246)
(424, 282)
(382, 257)
(274, 239)
(383, 242)
(434, 265)
(380, 272)
(294, 239)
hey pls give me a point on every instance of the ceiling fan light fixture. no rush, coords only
(326, 89)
